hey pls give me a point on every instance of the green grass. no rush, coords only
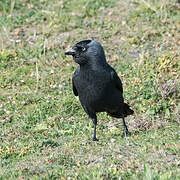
(44, 132)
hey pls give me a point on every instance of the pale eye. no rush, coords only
(83, 49)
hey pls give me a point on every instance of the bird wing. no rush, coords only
(73, 81)
(115, 78)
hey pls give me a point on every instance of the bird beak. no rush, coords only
(70, 52)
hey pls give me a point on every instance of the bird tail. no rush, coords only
(127, 110)
(124, 111)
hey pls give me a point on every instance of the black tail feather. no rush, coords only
(127, 110)
(124, 111)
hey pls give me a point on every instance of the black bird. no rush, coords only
(97, 84)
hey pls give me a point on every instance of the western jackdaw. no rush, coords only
(97, 84)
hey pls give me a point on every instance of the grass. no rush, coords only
(45, 134)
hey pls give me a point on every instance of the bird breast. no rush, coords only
(93, 88)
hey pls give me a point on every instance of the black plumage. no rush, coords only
(97, 84)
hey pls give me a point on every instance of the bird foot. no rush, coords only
(95, 139)
(126, 133)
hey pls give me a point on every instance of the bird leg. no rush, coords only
(94, 119)
(125, 132)
(94, 124)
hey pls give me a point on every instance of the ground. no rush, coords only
(44, 132)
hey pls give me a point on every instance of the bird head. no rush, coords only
(87, 52)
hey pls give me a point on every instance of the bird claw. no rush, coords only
(126, 133)
(95, 139)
